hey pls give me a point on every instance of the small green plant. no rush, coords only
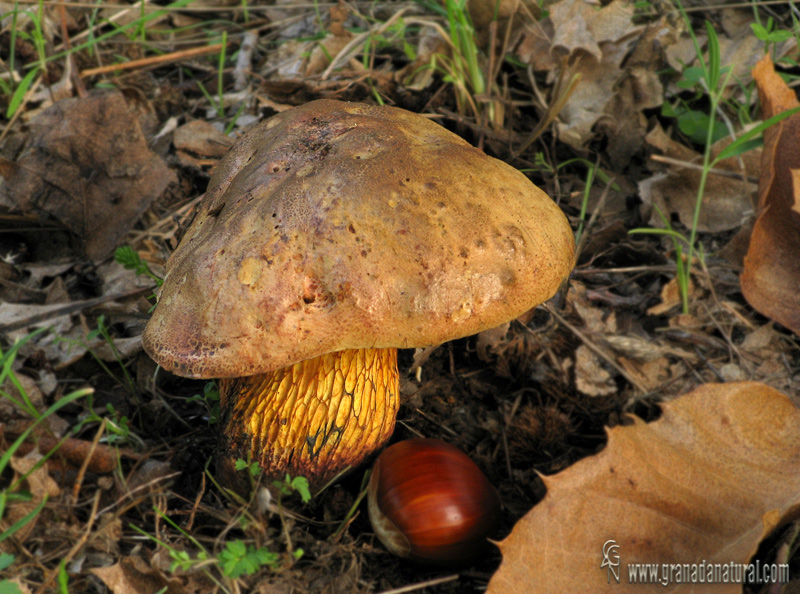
(103, 332)
(713, 79)
(219, 103)
(235, 559)
(238, 559)
(210, 399)
(393, 34)
(462, 68)
(769, 34)
(286, 487)
(13, 493)
(7, 586)
(289, 485)
(253, 467)
(130, 259)
(37, 39)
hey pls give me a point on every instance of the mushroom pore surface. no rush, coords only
(341, 227)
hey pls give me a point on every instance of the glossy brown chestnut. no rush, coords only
(429, 502)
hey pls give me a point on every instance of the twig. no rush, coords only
(76, 488)
(71, 308)
(153, 60)
(437, 423)
(75, 451)
(244, 59)
(421, 585)
(344, 53)
(696, 166)
(596, 349)
(507, 421)
(140, 488)
(77, 546)
(166, 221)
(200, 494)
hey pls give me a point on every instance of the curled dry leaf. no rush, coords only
(707, 481)
(771, 273)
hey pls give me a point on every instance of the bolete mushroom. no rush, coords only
(331, 235)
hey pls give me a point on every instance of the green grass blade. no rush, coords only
(714, 59)
(55, 407)
(734, 148)
(19, 94)
(24, 520)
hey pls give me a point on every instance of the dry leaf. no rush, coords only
(727, 202)
(38, 483)
(591, 378)
(201, 140)
(771, 275)
(706, 482)
(132, 575)
(649, 374)
(616, 74)
(87, 164)
(670, 297)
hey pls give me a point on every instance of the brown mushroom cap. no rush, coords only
(338, 226)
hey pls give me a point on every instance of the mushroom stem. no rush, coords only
(313, 419)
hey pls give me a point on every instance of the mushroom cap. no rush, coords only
(337, 225)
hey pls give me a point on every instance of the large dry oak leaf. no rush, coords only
(706, 482)
(771, 276)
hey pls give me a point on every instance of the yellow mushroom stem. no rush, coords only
(312, 419)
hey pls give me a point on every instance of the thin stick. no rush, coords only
(596, 349)
(696, 166)
(71, 308)
(76, 488)
(421, 585)
(77, 546)
(437, 423)
(200, 494)
(345, 53)
(153, 60)
(75, 450)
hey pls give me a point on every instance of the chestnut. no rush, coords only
(429, 502)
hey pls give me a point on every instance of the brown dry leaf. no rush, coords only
(87, 164)
(707, 481)
(591, 378)
(670, 297)
(650, 374)
(638, 88)
(727, 202)
(328, 48)
(197, 141)
(771, 275)
(617, 71)
(38, 483)
(132, 575)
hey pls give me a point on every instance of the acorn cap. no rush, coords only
(336, 226)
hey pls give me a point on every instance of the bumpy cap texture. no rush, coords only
(338, 225)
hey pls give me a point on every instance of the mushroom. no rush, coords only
(331, 235)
